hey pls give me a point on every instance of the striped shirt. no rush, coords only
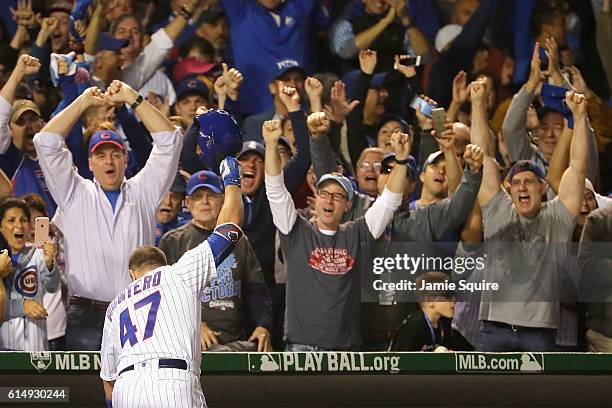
(158, 315)
(98, 241)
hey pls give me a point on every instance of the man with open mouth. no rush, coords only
(528, 237)
(110, 215)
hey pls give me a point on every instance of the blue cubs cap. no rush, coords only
(105, 136)
(344, 182)
(526, 165)
(219, 136)
(106, 42)
(412, 165)
(282, 67)
(252, 146)
(191, 85)
(205, 179)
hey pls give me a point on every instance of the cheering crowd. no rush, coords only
(343, 160)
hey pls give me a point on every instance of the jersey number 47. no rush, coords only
(127, 330)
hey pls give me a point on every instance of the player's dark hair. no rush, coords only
(12, 202)
(36, 203)
(147, 255)
(426, 295)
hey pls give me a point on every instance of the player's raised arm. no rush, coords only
(228, 231)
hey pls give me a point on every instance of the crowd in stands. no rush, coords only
(342, 161)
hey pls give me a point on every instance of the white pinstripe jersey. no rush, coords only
(158, 315)
(30, 280)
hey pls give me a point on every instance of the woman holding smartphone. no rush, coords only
(33, 273)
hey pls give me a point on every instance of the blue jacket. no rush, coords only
(261, 38)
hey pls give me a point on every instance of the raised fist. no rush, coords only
(27, 64)
(94, 97)
(119, 92)
(313, 87)
(318, 124)
(401, 143)
(290, 97)
(272, 131)
(576, 102)
(478, 90)
(473, 156)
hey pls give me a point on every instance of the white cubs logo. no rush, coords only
(27, 283)
(105, 135)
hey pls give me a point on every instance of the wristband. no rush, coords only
(137, 102)
(403, 162)
(186, 14)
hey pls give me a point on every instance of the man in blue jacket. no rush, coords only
(267, 31)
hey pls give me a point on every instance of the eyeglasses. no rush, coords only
(527, 182)
(336, 196)
(365, 165)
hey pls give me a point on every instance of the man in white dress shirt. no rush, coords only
(107, 218)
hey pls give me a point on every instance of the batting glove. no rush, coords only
(230, 172)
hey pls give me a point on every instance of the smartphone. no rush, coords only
(41, 231)
(426, 108)
(439, 119)
(411, 61)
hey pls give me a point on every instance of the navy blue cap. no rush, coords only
(106, 42)
(390, 117)
(205, 179)
(191, 85)
(285, 142)
(252, 146)
(210, 15)
(282, 67)
(105, 136)
(412, 164)
(350, 79)
(179, 185)
(526, 165)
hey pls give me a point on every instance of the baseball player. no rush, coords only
(151, 340)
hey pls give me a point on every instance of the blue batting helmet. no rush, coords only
(219, 137)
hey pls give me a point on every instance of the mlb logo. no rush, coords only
(264, 362)
(202, 176)
(105, 135)
(40, 360)
(192, 84)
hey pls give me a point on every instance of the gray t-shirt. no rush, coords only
(525, 256)
(222, 298)
(323, 283)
